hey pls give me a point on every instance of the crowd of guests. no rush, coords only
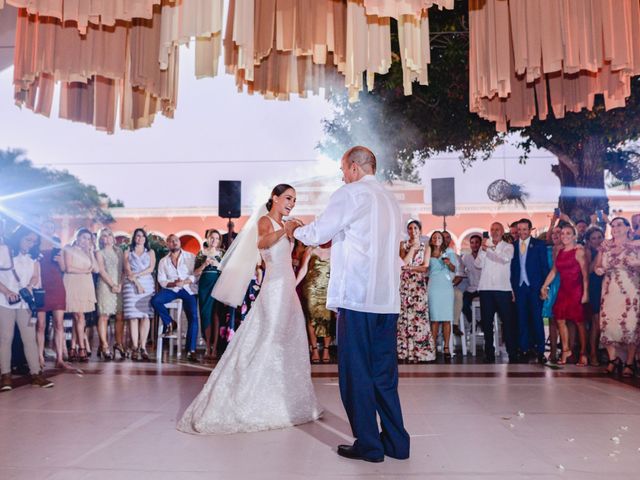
(584, 279)
(585, 285)
(94, 280)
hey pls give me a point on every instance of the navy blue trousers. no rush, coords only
(530, 324)
(190, 305)
(368, 372)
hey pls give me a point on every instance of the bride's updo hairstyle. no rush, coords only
(276, 192)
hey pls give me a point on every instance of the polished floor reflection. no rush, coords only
(117, 421)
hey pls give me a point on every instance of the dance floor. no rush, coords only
(117, 421)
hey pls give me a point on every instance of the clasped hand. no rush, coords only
(291, 225)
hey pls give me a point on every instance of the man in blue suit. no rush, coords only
(529, 269)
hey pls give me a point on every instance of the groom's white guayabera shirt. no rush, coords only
(363, 221)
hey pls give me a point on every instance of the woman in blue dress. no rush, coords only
(553, 245)
(442, 266)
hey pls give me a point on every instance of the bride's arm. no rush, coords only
(266, 235)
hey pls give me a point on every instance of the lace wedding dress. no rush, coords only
(263, 380)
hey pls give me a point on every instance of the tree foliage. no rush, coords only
(406, 130)
(28, 193)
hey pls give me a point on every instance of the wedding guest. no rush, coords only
(299, 255)
(571, 265)
(80, 263)
(513, 232)
(177, 277)
(593, 240)
(137, 291)
(415, 343)
(581, 227)
(442, 264)
(554, 244)
(19, 269)
(313, 279)
(207, 265)
(473, 274)
(109, 290)
(460, 282)
(529, 269)
(494, 259)
(229, 237)
(55, 298)
(635, 225)
(619, 262)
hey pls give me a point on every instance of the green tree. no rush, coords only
(28, 192)
(436, 119)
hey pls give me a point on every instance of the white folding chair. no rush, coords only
(463, 337)
(175, 309)
(497, 331)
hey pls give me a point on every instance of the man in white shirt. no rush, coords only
(472, 273)
(362, 220)
(494, 258)
(177, 278)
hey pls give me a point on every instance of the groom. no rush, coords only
(363, 222)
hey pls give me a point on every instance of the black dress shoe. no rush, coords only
(347, 451)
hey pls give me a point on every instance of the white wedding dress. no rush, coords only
(263, 380)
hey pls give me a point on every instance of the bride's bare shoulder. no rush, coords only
(264, 225)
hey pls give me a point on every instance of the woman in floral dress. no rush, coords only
(415, 342)
(619, 262)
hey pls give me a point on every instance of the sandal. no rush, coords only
(105, 353)
(613, 366)
(144, 355)
(593, 361)
(326, 355)
(583, 362)
(629, 370)
(447, 354)
(82, 355)
(73, 354)
(120, 349)
(563, 358)
(315, 356)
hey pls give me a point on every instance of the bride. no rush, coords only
(263, 380)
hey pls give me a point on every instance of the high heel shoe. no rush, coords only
(120, 349)
(447, 354)
(613, 366)
(315, 358)
(105, 353)
(144, 355)
(135, 354)
(629, 370)
(326, 355)
(82, 355)
(73, 354)
(583, 362)
(563, 359)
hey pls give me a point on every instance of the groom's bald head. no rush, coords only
(358, 162)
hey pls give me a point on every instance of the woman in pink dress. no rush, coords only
(571, 265)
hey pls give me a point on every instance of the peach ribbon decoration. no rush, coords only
(530, 58)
